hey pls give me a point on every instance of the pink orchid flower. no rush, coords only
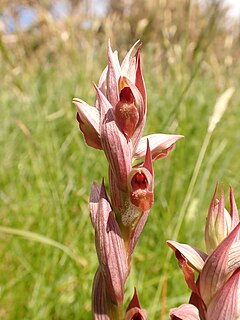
(115, 125)
(215, 294)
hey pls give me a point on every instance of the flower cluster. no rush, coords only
(216, 293)
(115, 125)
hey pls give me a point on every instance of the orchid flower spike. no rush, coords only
(115, 124)
(215, 294)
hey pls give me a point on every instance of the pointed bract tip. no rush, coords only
(134, 302)
(148, 161)
(103, 192)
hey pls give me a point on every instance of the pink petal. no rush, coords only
(137, 231)
(115, 192)
(187, 272)
(110, 249)
(116, 147)
(215, 270)
(113, 75)
(158, 144)
(210, 223)
(128, 66)
(184, 312)
(218, 224)
(226, 303)
(233, 211)
(194, 256)
(102, 84)
(197, 301)
(234, 257)
(99, 298)
(93, 202)
(89, 119)
(138, 133)
(148, 163)
(140, 81)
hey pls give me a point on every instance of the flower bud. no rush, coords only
(218, 224)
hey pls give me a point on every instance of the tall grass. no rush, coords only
(48, 258)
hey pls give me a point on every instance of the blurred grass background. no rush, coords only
(190, 56)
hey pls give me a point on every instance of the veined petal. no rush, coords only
(226, 303)
(93, 202)
(113, 74)
(194, 256)
(115, 192)
(129, 64)
(159, 144)
(184, 312)
(234, 257)
(88, 118)
(140, 84)
(223, 221)
(148, 163)
(187, 272)
(233, 211)
(102, 84)
(99, 298)
(218, 224)
(110, 249)
(137, 231)
(197, 301)
(215, 270)
(116, 147)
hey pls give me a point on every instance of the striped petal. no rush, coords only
(115, 145)
(160, 145)
(184, 312)
(226, 303)
(194, 256)
(89, 119)
(215, 270)
(99, 298)
(113, 74)
(218, 224)
(110, 249)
